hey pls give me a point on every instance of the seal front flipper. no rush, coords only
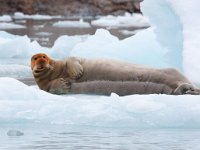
(74, 68)
(59, 86)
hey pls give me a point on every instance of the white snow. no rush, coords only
(128, 20)
(5, 18)
(19, 15)
(72, 24)
(10, 26)
(28, 104)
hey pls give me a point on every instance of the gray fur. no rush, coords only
(121, 88)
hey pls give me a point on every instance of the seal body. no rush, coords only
(112, 70)
(63, 76)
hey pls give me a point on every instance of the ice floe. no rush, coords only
(20, 15)
(5, 18)
(72, 24)
(21, 103)
(128, 20)
(7, 26)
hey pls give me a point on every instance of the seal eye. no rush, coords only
(35, 58)
(44, 57)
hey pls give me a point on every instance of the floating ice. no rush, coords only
(15, 133)
(5, 18)
(189, 15)
(15, 70)
(128, 20)
(167, 29)
(11, 26)
(44, 34)
(19, 15)
(142, 48)
(129, 32)
(13, 46)
(72, 24)
(64, 45)
(37, 27)
(29, 104)
(180, 35)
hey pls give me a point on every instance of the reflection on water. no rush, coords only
(90, 138)
(46, 34)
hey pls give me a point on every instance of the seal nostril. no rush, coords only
(41, 61)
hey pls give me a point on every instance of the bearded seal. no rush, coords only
(54, 76)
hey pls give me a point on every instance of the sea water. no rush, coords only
(44, 136)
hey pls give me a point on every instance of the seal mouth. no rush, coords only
(40, 65)
(41, 68)
(38, 69)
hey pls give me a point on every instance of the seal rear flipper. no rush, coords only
(193, 92)
(186, 88)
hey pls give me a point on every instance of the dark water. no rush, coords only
(90, 138)
(46, 34)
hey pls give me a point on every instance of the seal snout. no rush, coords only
(39, 61)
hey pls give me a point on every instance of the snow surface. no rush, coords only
(28, 104)
(128, 20)
(4, 25)
(5, 18)
(72, 24)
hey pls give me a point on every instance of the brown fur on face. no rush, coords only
(39, 61)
